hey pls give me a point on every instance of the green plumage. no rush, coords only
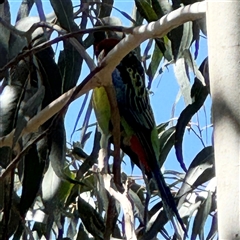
(102, 109)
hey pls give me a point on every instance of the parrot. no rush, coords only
(139, 136)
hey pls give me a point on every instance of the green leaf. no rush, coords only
(196, 37)
(29, 106)
(161, 7)
(24, 9)
(64, 12)
(138, 206)
(82, 233)
(182, 77)
(154, 64)
(70, 65)
(139, 190)
(106, 8)
(17, 42)
(166, 142)
(213, 229)
(187, 37)
(90, 160)
(57, 154)
(137, 17)
(201, 73)
(156, 222)
(31, 180)
(181, 39)
(201, 217)
(70, 61)
(127, 16)
(175, 36)
(5, 33)
(91, 219)
(156, 5)
(50, 75)
(54, 189)
(54, 194)
(162, 127)
(199, 93)
(145, 9)
(201, 163)
(11, 90)
(203, 26)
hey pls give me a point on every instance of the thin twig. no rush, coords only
(199, 137)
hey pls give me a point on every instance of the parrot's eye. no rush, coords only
(130, 70)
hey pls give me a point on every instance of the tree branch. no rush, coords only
(127, 207)
(96, 78)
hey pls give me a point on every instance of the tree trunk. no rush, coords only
(223, 20)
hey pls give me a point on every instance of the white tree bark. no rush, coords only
(223, 20)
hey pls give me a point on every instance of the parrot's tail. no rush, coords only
(167, 199)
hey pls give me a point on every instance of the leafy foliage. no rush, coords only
(49, 190)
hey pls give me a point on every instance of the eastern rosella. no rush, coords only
(139, 137)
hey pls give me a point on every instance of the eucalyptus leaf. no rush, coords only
(166, 141)
(154, 64)
(70, 65)
(5, 33)
(192, 64)
(24, 24)
(213, 229)
(29, 106)
(92, 221)
(203, 161)
(64, 12)
(70, 61)
(106, 8)
(187, 37)
(138, 206)
(162, 127)
(161, 7)
(11, 90)
(24, 9)
(31, 180)
(156, 224)
(183, 79)
(82, 233)
(199, 93)
(18, 42)
(58, 152)
(201, 217)
(145, 9)
(50, 187)
(181, 39)
(157, 6)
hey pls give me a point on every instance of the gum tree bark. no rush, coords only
(223, 21)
